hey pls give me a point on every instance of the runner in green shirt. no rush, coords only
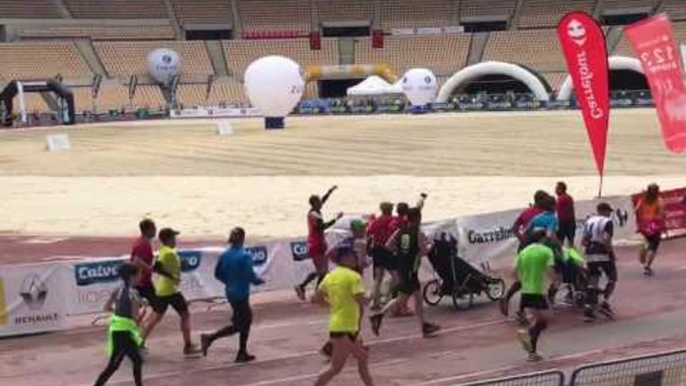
(534, 268)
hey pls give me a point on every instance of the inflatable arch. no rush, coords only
(314, 73)
(533, 81)
(615, 63)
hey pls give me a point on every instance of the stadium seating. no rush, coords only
(282, 15)
(403, 14)
(130, 58)
(135, 32)
(34, 103)
(443, 54)
(117, 9)
(203, 11)
(675, 9)
(538, 49)
(149, 97)
(345, 10)
(544, 13)
(624, 47)
(40, 60)
(23, 9)
(240, 53)
(473, 8)
(620, 4)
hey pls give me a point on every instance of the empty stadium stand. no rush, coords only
(624, 47)
(537, 49)
(203, 11)
(133, 32)
(39, 60)
(282, 15)
(476, 8)
(403, 14)
(22, 9)
(117, 9)
(345, 10)
(675, 9)
(130, 58)
(626, 4)
(544, 13)
(240, 53)
(443, 54)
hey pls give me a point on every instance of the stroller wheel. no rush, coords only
(432, 292)
(495, 289)
(462, 300)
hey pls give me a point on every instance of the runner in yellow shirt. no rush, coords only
(167, 290)
(343, 291)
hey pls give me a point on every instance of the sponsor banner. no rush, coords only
(487, 239)
(654, 44)
(674, 206)
(215, 112)
(32, 299)
(427, 31)
(583, 43)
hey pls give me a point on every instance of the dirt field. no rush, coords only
(183, 174)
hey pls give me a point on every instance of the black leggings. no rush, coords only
(241, 323)
(123, 346)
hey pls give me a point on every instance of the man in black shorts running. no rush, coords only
(534, 268)
(600, 258)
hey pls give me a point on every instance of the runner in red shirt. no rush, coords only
(565, 215)
(143, 257)
(316, 242)
(379, 231)
(519, 230)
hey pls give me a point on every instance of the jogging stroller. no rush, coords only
(457, 278)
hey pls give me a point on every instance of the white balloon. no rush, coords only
(274, 85)
(419, 86)
(164, 64)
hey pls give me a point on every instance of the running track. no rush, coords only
(476, 343)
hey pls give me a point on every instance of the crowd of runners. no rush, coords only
(547, 260)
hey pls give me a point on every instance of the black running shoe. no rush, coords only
(244, 357)
(376, 320)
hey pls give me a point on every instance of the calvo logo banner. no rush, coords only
(99, 272)
(299, 250)
(259, 254)
(190, 260)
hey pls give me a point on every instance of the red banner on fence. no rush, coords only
(674, 206)
(583, 43)
(653, 41)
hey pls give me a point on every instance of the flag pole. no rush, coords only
(600, 188)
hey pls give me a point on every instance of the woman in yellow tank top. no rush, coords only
(650, 218)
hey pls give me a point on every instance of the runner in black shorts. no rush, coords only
(533, 268)
(600, 258)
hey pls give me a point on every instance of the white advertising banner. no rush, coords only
(32, 299)
(216, 112)
(486, 238)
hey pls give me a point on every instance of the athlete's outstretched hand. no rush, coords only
(339, 216)
(423, 195)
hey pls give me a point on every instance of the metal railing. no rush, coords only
(545, 378)
(664, 369)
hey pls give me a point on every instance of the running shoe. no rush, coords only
(647, 271)
(204, 344)
(606, 310)
(244, 357)
(524, 339)
(144, 351)
(504, 306)
(300, 292)
(191, 350)
(429, 330)
(534, 357)
(376, 320)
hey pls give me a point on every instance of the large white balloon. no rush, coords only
(274, 85)
(164, 64)
(419, 86)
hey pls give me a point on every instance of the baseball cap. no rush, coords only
(167, 233)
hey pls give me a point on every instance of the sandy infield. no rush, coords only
(184, 175)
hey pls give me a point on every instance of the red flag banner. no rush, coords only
(653, 42)
(583, 43)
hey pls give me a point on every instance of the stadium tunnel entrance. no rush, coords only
(626, 74)
(496, 78)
